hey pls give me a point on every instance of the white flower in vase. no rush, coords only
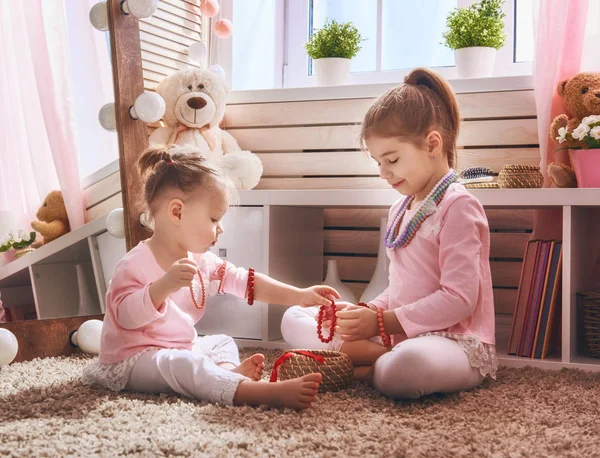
(562, 135)
(590, 119)
(581, 131)
(595, 132)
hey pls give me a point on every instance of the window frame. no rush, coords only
(292, 27)
(295, 73)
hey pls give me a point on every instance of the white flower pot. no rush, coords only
(332, 71)
(380, 280)
(475, 62)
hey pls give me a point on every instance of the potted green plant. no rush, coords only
(475, 33)
(331, 48)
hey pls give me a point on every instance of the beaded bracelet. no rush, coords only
(203, 289)
(387, 341)
(250, 286)
(321, 318)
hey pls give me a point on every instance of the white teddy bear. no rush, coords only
(195, 105)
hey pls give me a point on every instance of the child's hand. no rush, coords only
(180, 275)
(357, 323)
(317, 295)
(341, 305)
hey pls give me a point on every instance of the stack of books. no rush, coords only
(536, 320)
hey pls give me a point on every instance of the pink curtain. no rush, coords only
(558, 52)
(37, 136)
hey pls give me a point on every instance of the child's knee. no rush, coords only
(401, 374)
(289, 320)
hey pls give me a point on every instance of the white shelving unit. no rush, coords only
(48, 274)
(579, 208)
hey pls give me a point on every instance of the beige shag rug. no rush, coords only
(46, 411)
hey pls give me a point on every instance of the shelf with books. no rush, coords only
(543, 330)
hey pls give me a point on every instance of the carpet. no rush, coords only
(46, 411)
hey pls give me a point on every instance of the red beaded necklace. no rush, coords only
(203, 289)
(329, 310)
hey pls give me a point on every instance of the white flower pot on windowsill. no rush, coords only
(331, 71)
(475, 62)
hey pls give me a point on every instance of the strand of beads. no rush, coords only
(250, 286)
(392, 237)
(203, 289)
(332, 312)
(386, 339)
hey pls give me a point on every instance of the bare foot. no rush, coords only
(298, 393)
(252, 367)
(364, 373)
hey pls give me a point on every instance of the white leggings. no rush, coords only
(193, 373)
(414, 368)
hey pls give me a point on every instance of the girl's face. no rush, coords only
(409, 169)
(200, 219)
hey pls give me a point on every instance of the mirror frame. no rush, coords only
(128, 81)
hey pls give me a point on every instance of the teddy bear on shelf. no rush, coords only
(52, 219)
(195, 106)
(581, 95)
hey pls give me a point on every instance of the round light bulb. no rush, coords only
(107, 117)
(99, 16)
(223, 28)
(209, 8)
(140, 8)
(149, 107)
(218, 70)
(9, 346)
(115, 224)
(197, 51)
(88, 337)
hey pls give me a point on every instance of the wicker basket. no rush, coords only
(491, 185)
(520, 176)
(588, 310)
(336, 367)
(20, 252)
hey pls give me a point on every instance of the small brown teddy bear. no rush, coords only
(581, 95)
(53, 220)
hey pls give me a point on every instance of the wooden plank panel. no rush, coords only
(186, 25)
(323, 183)
(171, 65)
(354, 217)
(102, 190)
(473, 133)
(152, 76)
(326, 164)
(174, 29)
(106, 207)
(340, 241)
(187, 5)
(166, 34)
(351, 111)
(156, 40)
(508, 245)
(506, 274)
(182, 10)
(510, 219)
(495, 158)
(360, 163)
(504, 300)
(503, 244)
(158, 52)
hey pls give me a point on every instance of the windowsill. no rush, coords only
(358, 91)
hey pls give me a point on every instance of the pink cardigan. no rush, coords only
(441, 281)
(132, 322)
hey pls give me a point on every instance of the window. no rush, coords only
(400, 35)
